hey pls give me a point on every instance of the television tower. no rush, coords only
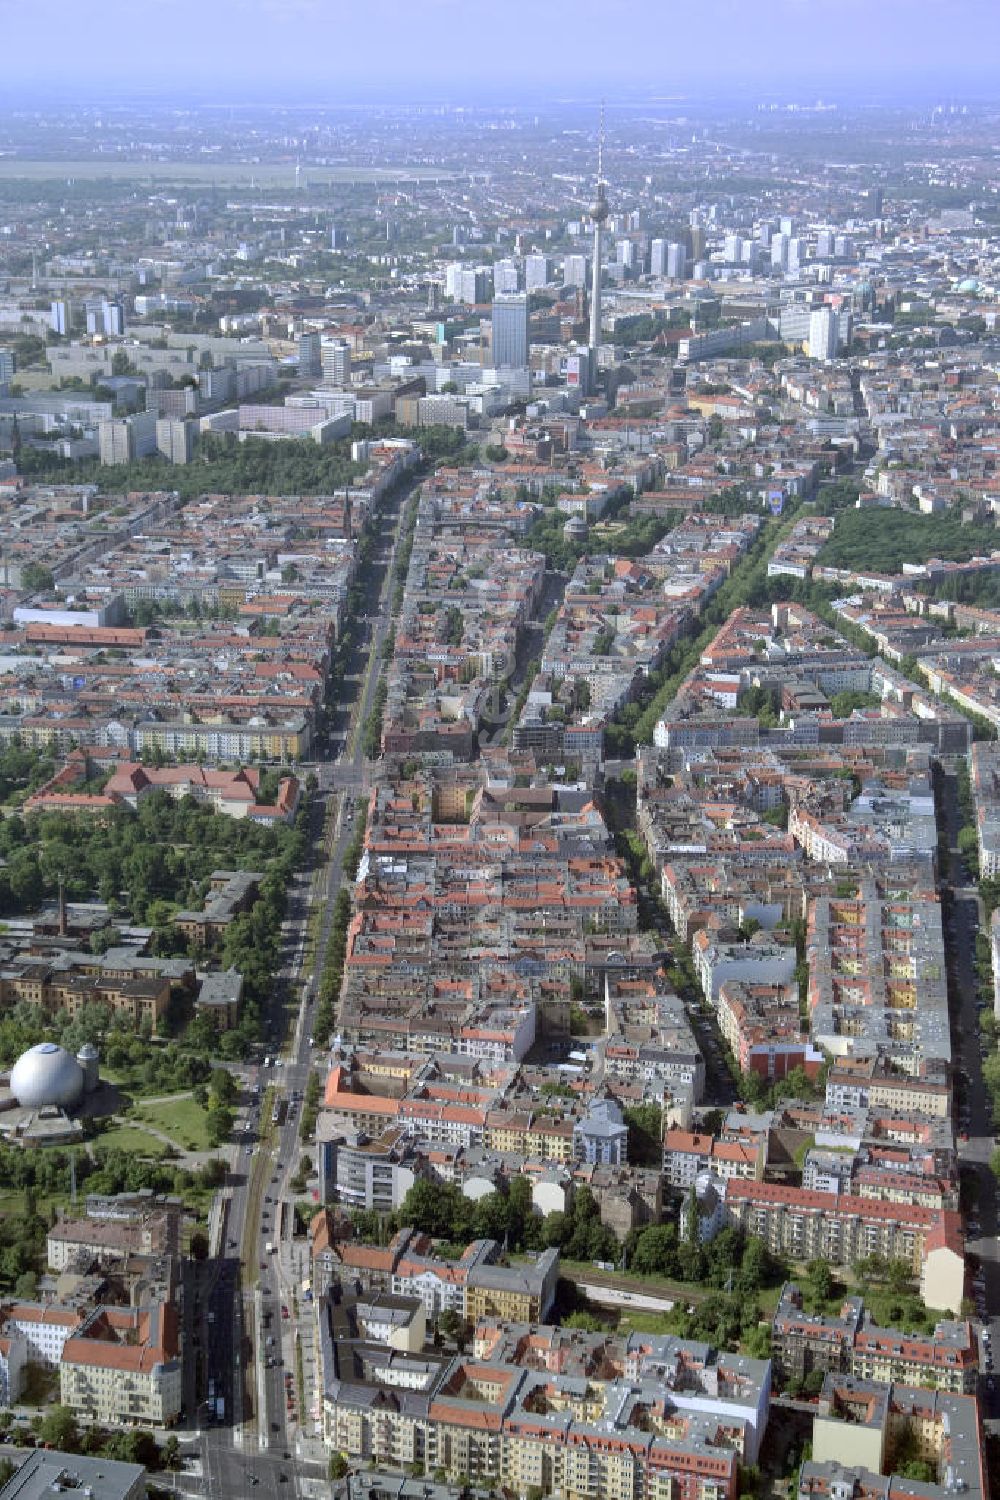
(599, 213)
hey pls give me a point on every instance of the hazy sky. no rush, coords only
(381, 48)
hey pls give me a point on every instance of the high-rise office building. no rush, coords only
(506, 276)
(335, 361)
(453, 279)
(779, 251)
(338, 238)
(6, 367)
(578, 371)
(59, 316)
(537, 271)
(510, 329)
(676, 261)
(112, 318)
(824, 333)
(468, 284)
(733, 249)
(574, 270)
(658, 258)
(824, 244)
(175, 440)
(127, 438)
(310, 355)
(115, 442)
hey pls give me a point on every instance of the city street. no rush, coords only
(974, 1111)
(234, 1305)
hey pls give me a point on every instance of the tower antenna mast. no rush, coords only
(598, 213)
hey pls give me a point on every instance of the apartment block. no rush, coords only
(535, 1405)
(852, 1343)
(123, 1367)
(860, 1425)
(843, 1228)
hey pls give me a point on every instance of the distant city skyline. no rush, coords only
(391, 49)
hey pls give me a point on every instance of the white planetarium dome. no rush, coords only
(46, 1074)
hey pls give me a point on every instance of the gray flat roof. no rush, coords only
(44, 1474)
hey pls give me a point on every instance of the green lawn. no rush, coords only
(638, 1321)
(133, 1139)
(12, 1201)
(182, 1119)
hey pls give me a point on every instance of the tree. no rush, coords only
(588, 1322)
(756, 1267)
(655, 1251)
(37, 578)
(917, 1469)
(133, 1447)
(439, 1209)
(213, 1173)
(555, 1229)
(519, 1209)
(451, 1325)
(219, 1124)
(819, 1282)
(58, 1428)
(870, 1268)
(170, 1455)
(491, 1218)
(756, 1342)
(223, 1086)
(899, 1275)
(645, 1139)
(338, 1467)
